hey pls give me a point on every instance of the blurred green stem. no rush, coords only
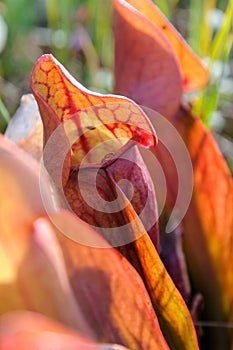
(4, 116)
(219, 51)
(52, 7)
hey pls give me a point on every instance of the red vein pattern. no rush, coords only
(95, 118)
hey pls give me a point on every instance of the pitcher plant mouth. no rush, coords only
(90, 119)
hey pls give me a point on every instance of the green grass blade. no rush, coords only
(219, 52)
(4, 116)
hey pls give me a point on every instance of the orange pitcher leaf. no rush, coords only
(90, 120)
(212, 200)
(146, 67)
(194, 73)
(97, 119)
(208, 224)
(28, 330)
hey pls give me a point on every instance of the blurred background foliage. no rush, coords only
(79, 34)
